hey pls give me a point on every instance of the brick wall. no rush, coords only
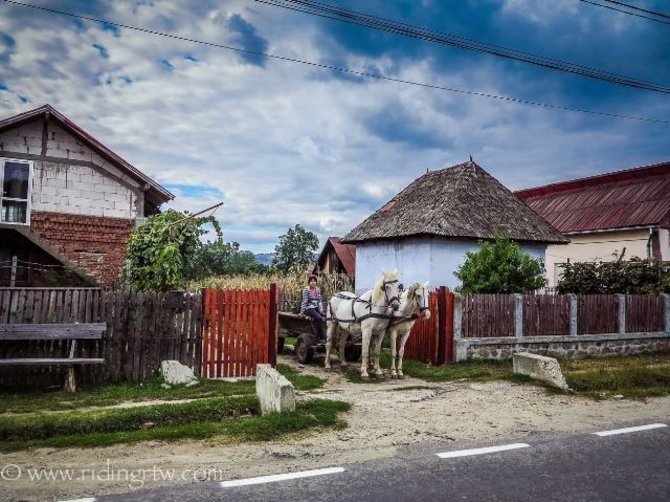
(96, 244)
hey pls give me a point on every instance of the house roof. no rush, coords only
(154, 192)
(637, 197)
(346, 253)
(463, 201)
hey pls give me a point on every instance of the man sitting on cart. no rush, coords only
(311, 306)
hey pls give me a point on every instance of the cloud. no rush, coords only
(282, 143)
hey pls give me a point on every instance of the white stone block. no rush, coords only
(175, 373)
(274, 391)
(538, 367)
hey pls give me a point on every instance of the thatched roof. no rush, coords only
(462, 201)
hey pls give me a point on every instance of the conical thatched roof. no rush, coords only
(462, 201)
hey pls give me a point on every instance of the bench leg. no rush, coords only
(70, 380)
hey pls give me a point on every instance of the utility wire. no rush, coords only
(633, 7)
(358, 73)
(429, 35)
(628, 12)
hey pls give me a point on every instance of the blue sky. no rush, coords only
(283, 143)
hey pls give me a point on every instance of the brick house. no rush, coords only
(68, 203)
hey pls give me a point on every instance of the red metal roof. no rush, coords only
(346, 253)
(630, 198)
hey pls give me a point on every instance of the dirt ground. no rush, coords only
(385, 417)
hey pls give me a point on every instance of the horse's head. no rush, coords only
(387, 290)
(418, 295)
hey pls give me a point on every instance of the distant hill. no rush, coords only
(264, 258)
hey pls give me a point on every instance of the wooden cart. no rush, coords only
(308, 343)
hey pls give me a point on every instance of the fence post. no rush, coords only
(441, 324)
(458, 316)
(573, 314)
(666, 311)
(272, 326)
(518, 315)
(621, 299)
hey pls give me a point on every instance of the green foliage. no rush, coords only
(634, 276)
(295, 250)
(160, 252)
(224, 259)
(500, 266)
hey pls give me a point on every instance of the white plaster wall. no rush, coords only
(419, 259)
(664, 238)
(596, 247)
(67, 188)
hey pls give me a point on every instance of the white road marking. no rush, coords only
(630, 429)
(89, 499)
(482, 451)
(281, 477)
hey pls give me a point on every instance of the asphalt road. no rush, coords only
(633, 466)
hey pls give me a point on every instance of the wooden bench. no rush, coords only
(51, 332)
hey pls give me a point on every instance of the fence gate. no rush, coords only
(239, 331)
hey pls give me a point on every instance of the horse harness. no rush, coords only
(370, 314)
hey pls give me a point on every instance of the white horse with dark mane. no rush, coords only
(366, 316)
(413, 306)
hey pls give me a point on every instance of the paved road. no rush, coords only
(632, 466)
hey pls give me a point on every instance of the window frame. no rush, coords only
(3, 161)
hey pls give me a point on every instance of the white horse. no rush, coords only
(367, 315)
(413, 306)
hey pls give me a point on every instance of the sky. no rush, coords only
(281, 143)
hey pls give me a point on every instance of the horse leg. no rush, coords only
(401, 353)
(344, 335)
(366, 334)
(393, 335)
(332, 326)
(378, 350)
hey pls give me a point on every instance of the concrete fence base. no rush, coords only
(274, 391)
(569, 347)
(541, 368)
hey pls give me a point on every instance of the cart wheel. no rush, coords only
(304, 349)
(352, 353)
(280, 345)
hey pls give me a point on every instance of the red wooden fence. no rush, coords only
(432, 340)
(644, 313)
(597, 314)
(239, 331)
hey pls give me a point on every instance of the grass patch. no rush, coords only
(23, 402)
(470, 370)
(299, 381)
(40, 426)
(640, 376)
(311, 414)
(290, 340)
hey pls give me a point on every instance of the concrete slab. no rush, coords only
(541, 368)
(274, 391)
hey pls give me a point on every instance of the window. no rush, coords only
(15, 176)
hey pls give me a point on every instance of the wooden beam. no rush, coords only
(48, 361)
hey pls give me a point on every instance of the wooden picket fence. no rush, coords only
(240, 331)
(549, 315)
(143, 329)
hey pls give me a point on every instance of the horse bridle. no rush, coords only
(423, 308)
(386, 296)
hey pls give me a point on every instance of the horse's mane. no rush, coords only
(378, 288)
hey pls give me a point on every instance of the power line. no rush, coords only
(369, 21)
(358, 73)
(633, 7)
(628, 12)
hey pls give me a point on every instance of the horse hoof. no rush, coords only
(401, 377)
(394, 376)
(365, 377)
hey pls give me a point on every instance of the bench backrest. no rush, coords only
(81, 331)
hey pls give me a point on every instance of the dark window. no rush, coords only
(14, 202)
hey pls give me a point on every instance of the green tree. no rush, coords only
(500, 266)
(295, 249)
(161, 251)
(220, 258)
